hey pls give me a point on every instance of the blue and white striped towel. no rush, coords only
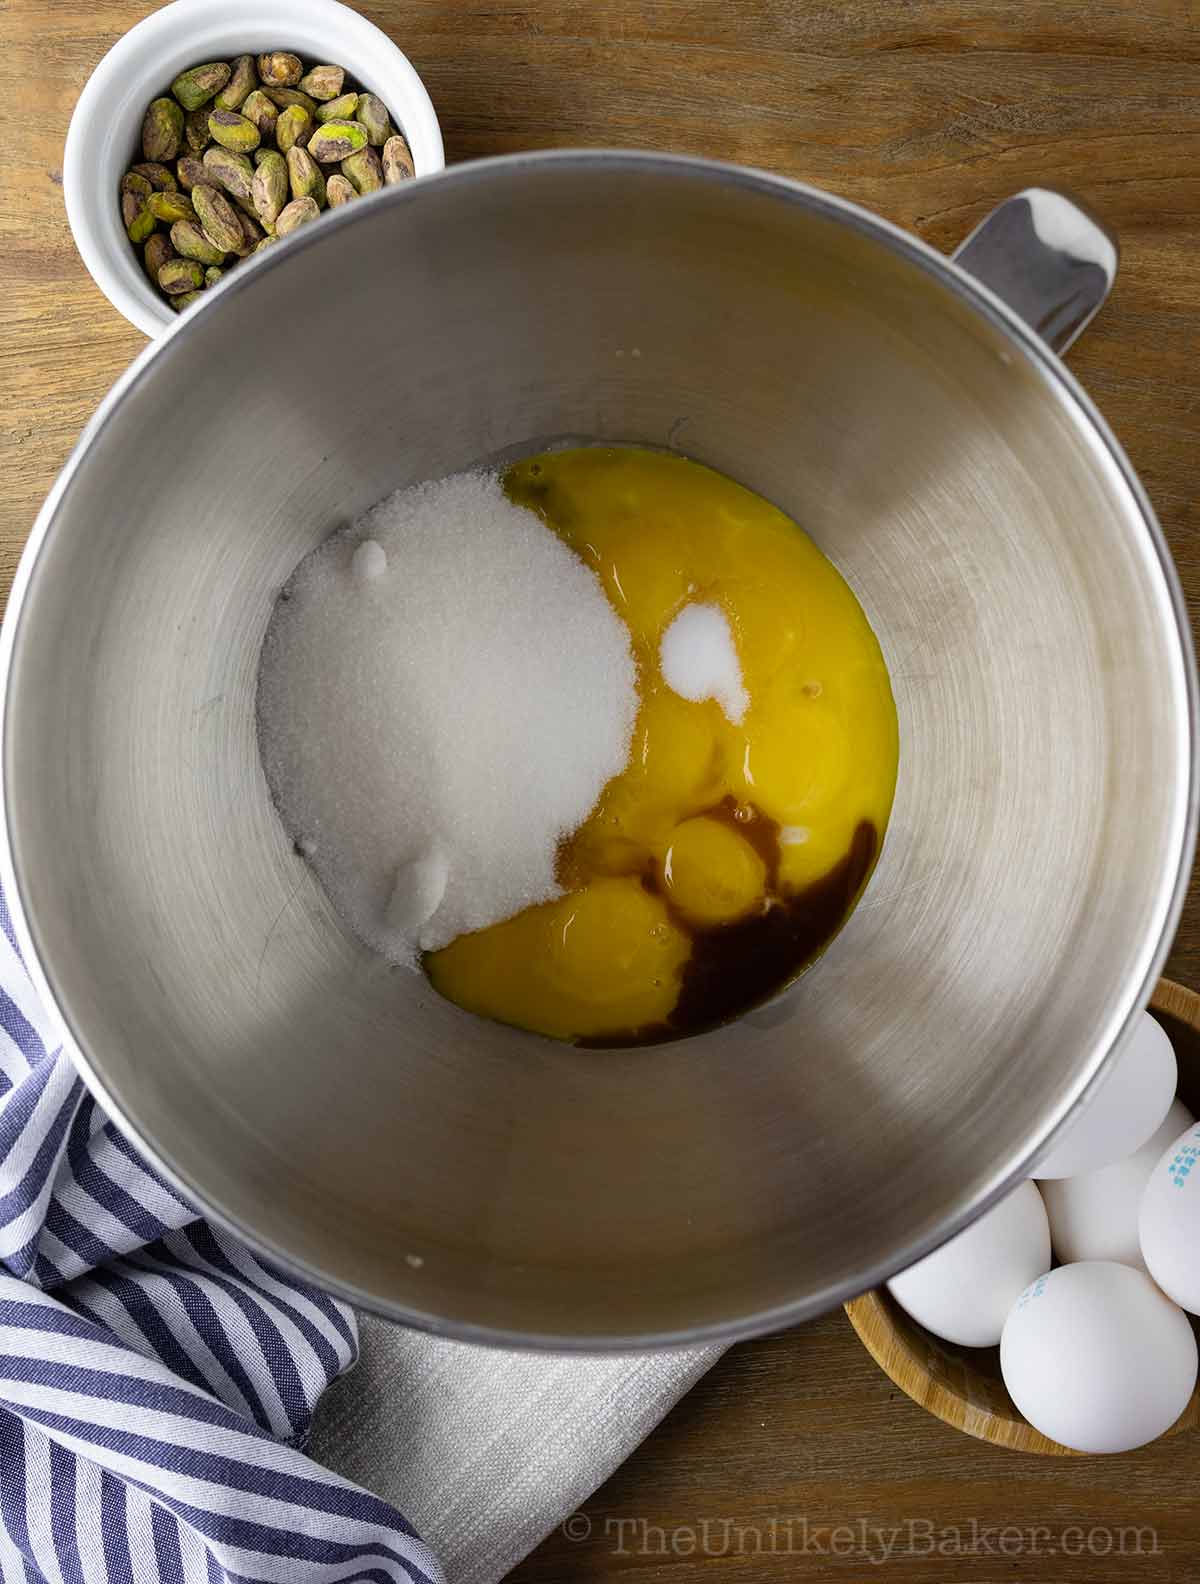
(157, 1380)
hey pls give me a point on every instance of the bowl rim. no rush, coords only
(164, 35)
(1147, 539)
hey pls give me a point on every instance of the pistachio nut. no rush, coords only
(269, 189)
(265, 243)
(373, 114)
(138, 220)
(242, 80)
(234, 131)
(218, 218)
(397, 160)
(190, 170)
(171, 206)
(293, 127)
(252, 234)
(158, 176)
(305, 176)
(339, 191)
(196, 86)
(134, 182)
(323, 82)
(231, 171)
(191, 244)
(364, 170)
(195, 131)
(213, 274)
(299, 212)
(337, 140)
(162, 129)
(339, 109)
(283, 97)
(155, 254)
(185, 300)
(180, 275)
(262, 111)
(280, 69)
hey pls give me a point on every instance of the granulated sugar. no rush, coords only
(699, 660)
(443, 693)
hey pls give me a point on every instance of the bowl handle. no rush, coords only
(1048, 257)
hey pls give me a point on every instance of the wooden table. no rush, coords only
(929, 111)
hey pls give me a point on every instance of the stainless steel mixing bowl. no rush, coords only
(467, 1177)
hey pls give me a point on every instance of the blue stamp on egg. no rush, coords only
(1182, 1162)
(1035, 1290)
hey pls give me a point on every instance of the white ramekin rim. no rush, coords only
(102, 136)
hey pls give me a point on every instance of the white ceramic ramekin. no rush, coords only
(103, 138)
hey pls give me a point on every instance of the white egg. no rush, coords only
(1097, 1358)
(1095, 1216)
(1169, 1223)
(963, 1291)
(1132, 1099)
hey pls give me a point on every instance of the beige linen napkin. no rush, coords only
(485, 1451)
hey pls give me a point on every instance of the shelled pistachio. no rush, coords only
(305, 177)
(293, 127)
(323, 83)
(280, 69)
(339, 191)
(269, 188)
(159, 176)
(171, 206)
(218, 218)
(301, 211)
(180, 275)
(189, 242)
(262, 111)
(373, 114)
(189, 171)
(336, 141)
(340, 109)
(365, 170)
(243, 79)
(197, 85)
(155, 254)
(397, 160)
(162, 129)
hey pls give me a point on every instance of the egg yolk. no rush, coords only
(722, 848)
(605, 958)
(711, 875)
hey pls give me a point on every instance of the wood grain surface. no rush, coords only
(796, 1458)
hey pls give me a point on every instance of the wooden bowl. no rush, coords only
(963, 1386)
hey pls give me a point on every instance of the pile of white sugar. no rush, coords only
(699, 660)
(443, 692)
